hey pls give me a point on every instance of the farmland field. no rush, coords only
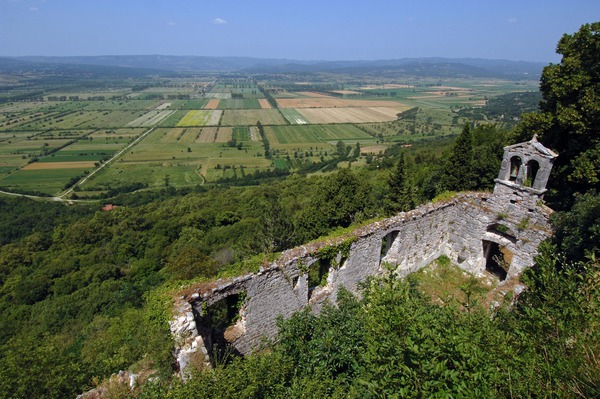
(264, 103)
(350, 115)
(332, 102)
(44, 144)
(212, 104)
(194, 104)
(224, 135)
(317, 133)
(151, 118)
(294, 134)
(49, 181)
(247, 117)
(239, 103)
(294, 117)
(241, 133)
(220, 96)
(59, 165)
(174, 118)
(201, 118)
(167, 155)
(207, 135)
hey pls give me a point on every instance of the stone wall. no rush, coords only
(461, 228)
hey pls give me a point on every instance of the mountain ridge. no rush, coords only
(429, 66)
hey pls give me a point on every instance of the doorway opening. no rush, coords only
(497, 259)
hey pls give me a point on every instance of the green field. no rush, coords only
(294, 117)
(241, 133)
(46, 181)
(190, 145)
(239, 103)
(247, 117)
(171, 152)
(341, 132)
(194, 104)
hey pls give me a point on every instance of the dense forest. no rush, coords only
(85, 292)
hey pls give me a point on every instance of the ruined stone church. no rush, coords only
(496, 233)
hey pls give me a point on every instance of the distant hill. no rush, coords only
(49, 66)
(433, 67)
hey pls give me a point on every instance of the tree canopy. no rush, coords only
(458, 172)
(569, 117)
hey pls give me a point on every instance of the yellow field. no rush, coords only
(201, 118)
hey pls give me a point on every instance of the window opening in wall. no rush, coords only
(219, 328)
(317, 275)
(532, 169)
(386, 243)
(497, 259)
(515, 166)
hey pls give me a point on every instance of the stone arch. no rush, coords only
(533, 166)
(516, 164)
(502, 231)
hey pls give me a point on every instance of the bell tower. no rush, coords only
(525, 171)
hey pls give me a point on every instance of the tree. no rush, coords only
(399, 198)
(489, 143)
(458, 171)
(569, 117)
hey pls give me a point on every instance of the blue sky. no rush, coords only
(309, 30)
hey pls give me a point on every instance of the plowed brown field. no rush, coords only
(224, 135)
(212, 104)
(264, 103)
(207, 135)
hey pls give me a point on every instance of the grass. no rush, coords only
(446, 283)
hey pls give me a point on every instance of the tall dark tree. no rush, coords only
(569, 117)
(488, 146)
(399, 198)
(458, 171)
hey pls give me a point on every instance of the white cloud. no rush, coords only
(512, 20)
(171, 24)
(33, 9)
(219, 21)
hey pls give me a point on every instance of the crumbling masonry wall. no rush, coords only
(458, 228)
